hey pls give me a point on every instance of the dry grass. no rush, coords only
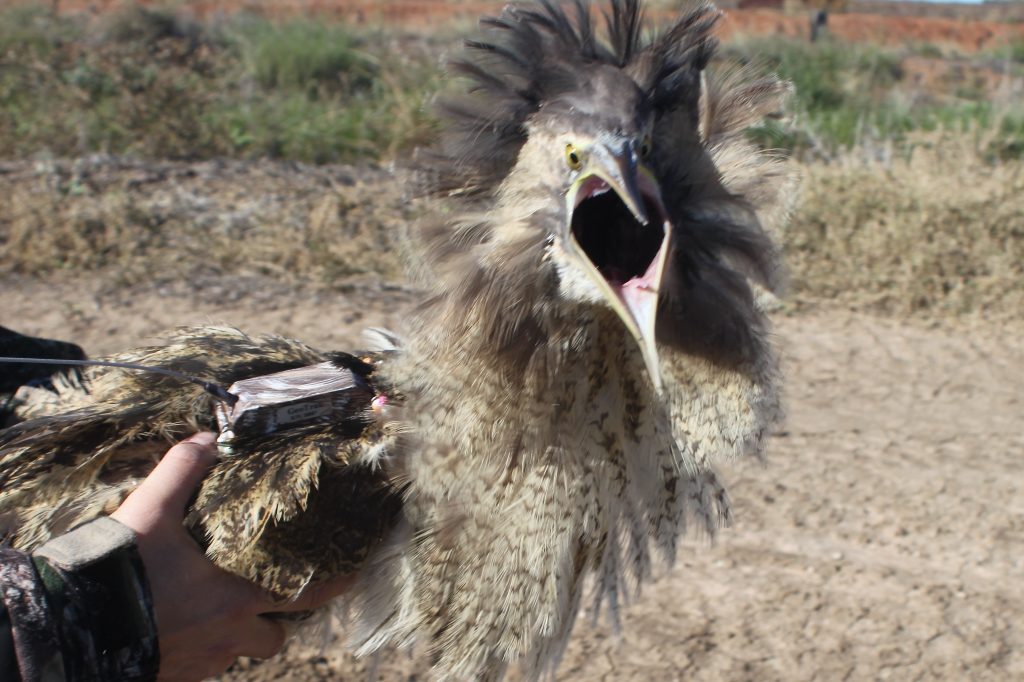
(155, 84)
(135, 222)
(936, 231)
(939, 232)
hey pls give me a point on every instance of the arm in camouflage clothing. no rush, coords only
(103, 628)
(78, 609)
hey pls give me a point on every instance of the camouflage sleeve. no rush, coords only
(78, 609)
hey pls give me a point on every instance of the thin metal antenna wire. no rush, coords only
(215, 390)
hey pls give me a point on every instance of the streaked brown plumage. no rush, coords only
(592, 341)
(255, 512)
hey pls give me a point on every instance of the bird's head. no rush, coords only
(607, 238)
(587, 169)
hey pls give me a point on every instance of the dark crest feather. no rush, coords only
(530, 55)
(624, 24)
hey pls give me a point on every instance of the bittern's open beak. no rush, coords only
(619, 231)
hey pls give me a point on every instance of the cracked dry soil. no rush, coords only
(884, 539)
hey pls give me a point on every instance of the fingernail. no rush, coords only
(202, 438)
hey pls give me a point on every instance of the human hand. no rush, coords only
(205, 616)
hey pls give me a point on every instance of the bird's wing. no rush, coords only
(255, 512)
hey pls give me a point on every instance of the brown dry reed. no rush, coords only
(137, 222)
(939, 231)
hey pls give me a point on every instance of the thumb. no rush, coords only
(170, 485)
(313, 597)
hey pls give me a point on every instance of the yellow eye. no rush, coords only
(646, 146)
(572, 157)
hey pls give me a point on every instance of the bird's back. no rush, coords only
(255, 512)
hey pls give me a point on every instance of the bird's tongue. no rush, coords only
(640, 294)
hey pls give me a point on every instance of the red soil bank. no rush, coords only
(966, 34)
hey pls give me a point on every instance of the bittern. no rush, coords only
(593, 339)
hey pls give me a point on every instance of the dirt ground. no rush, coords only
(883, 540)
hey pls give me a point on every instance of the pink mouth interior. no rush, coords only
(625, 251)
(640, 294)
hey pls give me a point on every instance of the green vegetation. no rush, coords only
(849, 95)
(145, 82)
(149, 83)
(1014, 52)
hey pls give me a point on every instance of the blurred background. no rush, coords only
(164, 163)
(907, 120)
